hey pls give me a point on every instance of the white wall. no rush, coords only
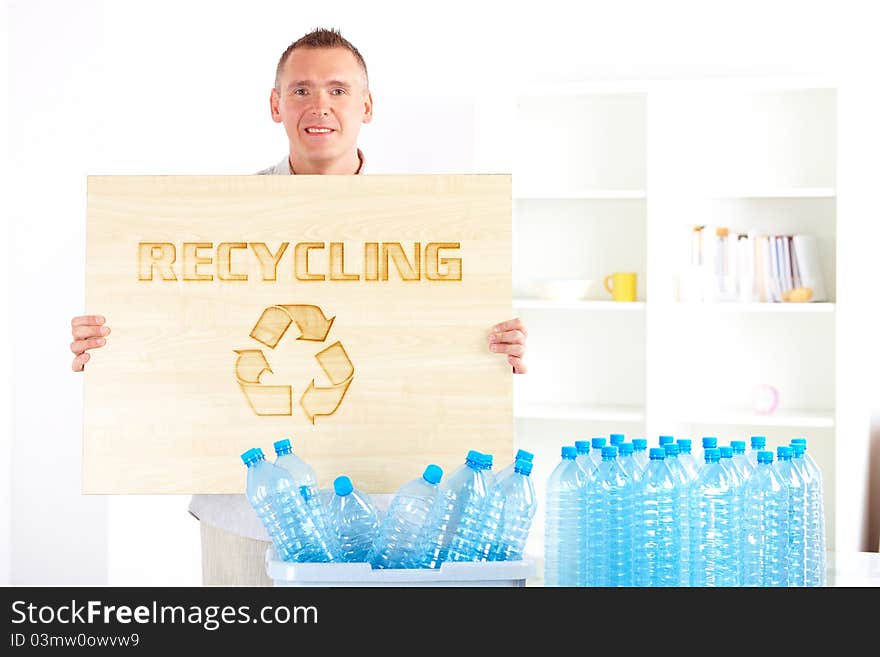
(181, 88)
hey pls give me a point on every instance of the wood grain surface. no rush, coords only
(361, 340)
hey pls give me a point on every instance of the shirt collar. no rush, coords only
(283, 167)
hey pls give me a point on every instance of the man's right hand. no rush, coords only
(88, 333)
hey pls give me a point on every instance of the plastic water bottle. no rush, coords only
(687, 459)
(354, 520)
(741, 460)
(565, 538)
(681, 515)
(616, 439)
(596, 445)
(474, 520)
(765, 557)
(282, 510)
(306, 482)
(467, 488)
(640, 452)
(521, 454)
(583, 456)
(713, 538)
(517, 495)
(654, 550)
(737, 512)
(797, 514)
(396, 544)
(757, 444)
(812, 476)
(609, 512)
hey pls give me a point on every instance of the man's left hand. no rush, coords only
(510, 338)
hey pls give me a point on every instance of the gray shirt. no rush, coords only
(233, 512)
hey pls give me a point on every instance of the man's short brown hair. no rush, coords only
(321, 38)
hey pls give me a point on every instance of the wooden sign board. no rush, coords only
(348, 313)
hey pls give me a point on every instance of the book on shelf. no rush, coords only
(726, 265)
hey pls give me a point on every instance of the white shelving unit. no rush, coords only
(625, 170)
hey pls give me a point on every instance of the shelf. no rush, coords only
(770, 193)
(579, 412)
(585, 194)
(793, 418)
(737, 307)
(548, 304)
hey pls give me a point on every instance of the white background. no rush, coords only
(182, 88)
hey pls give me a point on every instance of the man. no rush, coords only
(321, 97)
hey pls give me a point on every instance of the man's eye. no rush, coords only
(299, 92)
(338, 92)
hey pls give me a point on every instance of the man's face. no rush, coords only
(322, 101)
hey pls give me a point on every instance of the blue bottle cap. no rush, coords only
(709, 442)
(712, 454)
(342, 485)
(639, 444)
(684, 445)
(657, 453)
(597, 443)
(783, 452)
(625, 449)
(282, 446)
(616, 438)
(671, 449)
(758, 442)
(433, 474)
(569, 452)
(799, 440)
(726, 452)
(522, 466)
(524, 455)
(582, 446)
(473, 456)
(666, 440)
(739, 446)
(798, 449)
(765, 456)
(609, 452)
(485, 461)
(251, 455)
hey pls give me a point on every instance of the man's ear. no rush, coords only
(274, 103)
(368, 108)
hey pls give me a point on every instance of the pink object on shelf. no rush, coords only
(765, 398)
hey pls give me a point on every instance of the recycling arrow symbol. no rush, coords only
(278, 399)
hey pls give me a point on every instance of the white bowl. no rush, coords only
(564, 289)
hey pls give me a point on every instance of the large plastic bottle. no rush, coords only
(508, 470)
(712, 538)
(565, 538)
(797, 513)
(583, 456)
(462, 494)
(477, 526)
(681, 514)
(640, 452)
(756, 443)
(766, 518)
(741, 460)
(282, 510)
(609, 512)
(306, 482)
(354, 520)
(517, 493)
(596, 445)
(396, 544)
(687, 459)
(815, 509)
(737, 511)
(654, 550)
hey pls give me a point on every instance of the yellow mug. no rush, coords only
(621, 286)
